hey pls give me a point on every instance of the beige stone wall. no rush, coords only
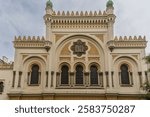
(50, 53)
(5, 76)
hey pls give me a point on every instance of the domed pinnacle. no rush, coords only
(109, 3)
(49, 4)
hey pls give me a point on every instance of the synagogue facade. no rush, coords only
(78, 58)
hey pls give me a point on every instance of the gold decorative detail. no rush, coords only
(93, 58)
(114, 56)
(65, 50)
(135, 56)
(24, 56)
(93, 50)
(65, 59)
(79, 59)
(58, 36)
(100, 36)
(45, 56)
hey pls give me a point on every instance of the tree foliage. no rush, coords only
(146, 86)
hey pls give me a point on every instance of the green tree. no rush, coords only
(146, 85)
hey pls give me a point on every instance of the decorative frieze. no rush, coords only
(81, 13)
(124, 42)
(80, 20)
(32, 42)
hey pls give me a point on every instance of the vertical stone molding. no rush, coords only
(14, 77)
(19, 80)
(52, 76)
(107, 78)
(140, 78)
(47, 79)
(112, 78)
(101, 79)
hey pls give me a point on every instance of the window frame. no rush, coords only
(96, 84)
(130, 84)
(30, 75)
(61, 76)
(82, 75)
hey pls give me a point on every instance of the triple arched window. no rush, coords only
(125, 80)
(35, 74)
(1, 87)
(79, 75)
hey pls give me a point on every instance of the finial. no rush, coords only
(109, 3)
(49, 4)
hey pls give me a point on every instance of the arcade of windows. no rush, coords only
(81, 78)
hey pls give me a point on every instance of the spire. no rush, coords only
(109, 3)
(49, 4)
(110, 7)
(49, 7)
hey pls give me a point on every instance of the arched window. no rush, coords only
(79, 74)
(124, 74)
(1, 87)
(64, 74)
(93, 75)
(35, 74)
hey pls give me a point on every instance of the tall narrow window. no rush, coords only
(124, 74)
(64, 75)
(35, 75)
(93, 75)
(79, 74)
(1, 87)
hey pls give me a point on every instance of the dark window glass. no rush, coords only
(124, 74)
(35, 74)
(93, 75)
(1, 87)
(79, 74)
(64, 75)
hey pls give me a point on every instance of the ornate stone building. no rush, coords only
(79, 58)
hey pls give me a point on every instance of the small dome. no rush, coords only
(49, 4)
(110, 3)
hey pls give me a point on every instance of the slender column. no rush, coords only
(39, 78)
(28, 80)
(52, 75)
(112, 78)
(72, 79)
(19, 80)
(119, 74)
(140, 78)
(87, 79)
(107, 79)
(14, 76)
(58, 79)
(101, 79)
(131, 75)
(46, 79)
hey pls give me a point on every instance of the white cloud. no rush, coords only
(25, 17)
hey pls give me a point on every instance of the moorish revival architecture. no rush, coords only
(78, 58)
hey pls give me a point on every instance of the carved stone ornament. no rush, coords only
(79, 48)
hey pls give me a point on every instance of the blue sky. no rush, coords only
(25, 17)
